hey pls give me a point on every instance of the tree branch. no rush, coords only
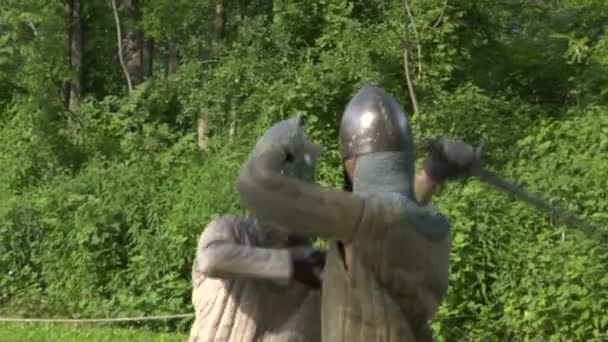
(31, 25)
(445, 7)
(417, 36)
(410, 17)
(406, 63)
(408, 79)
(120, 58)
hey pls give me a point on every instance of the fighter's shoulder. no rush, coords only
(224, 225)
(397, 209)
(228, 220)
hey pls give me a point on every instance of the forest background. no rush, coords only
(115, 153)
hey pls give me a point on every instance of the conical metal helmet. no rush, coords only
(373, 121)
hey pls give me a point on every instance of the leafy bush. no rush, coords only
(518, 274)
(100, 207)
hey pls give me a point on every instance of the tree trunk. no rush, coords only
(139, 50)
(76, 57)
(172, 59)
(133, 42)
(68, 52)
(219, 24)
(240, 14)
(219, 28)
(202, 133)
(147, 58)
(120, 46)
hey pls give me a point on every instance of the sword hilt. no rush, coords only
(476, 169)
(432, 145)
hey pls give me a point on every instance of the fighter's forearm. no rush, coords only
(423, 188)
(228, 260)
(295, 206)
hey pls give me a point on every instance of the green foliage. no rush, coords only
(61, 333)
(517, 275)
(102, 220)
(84, 243)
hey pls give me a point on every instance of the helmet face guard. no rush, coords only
(373, 121)
(303, 153)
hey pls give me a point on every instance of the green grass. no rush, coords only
(36, 332)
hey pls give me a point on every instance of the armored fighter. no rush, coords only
(387, 269)
(255, 283)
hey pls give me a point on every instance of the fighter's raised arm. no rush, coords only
(289, 203)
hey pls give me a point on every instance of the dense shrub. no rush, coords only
(517, 273)
(100, 208)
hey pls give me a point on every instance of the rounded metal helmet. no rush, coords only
(373, 121)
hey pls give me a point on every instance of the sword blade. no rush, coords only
(518, 192)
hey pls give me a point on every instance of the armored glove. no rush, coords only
(449, 159)
(307, 263)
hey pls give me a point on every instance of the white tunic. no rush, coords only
(242, 290)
